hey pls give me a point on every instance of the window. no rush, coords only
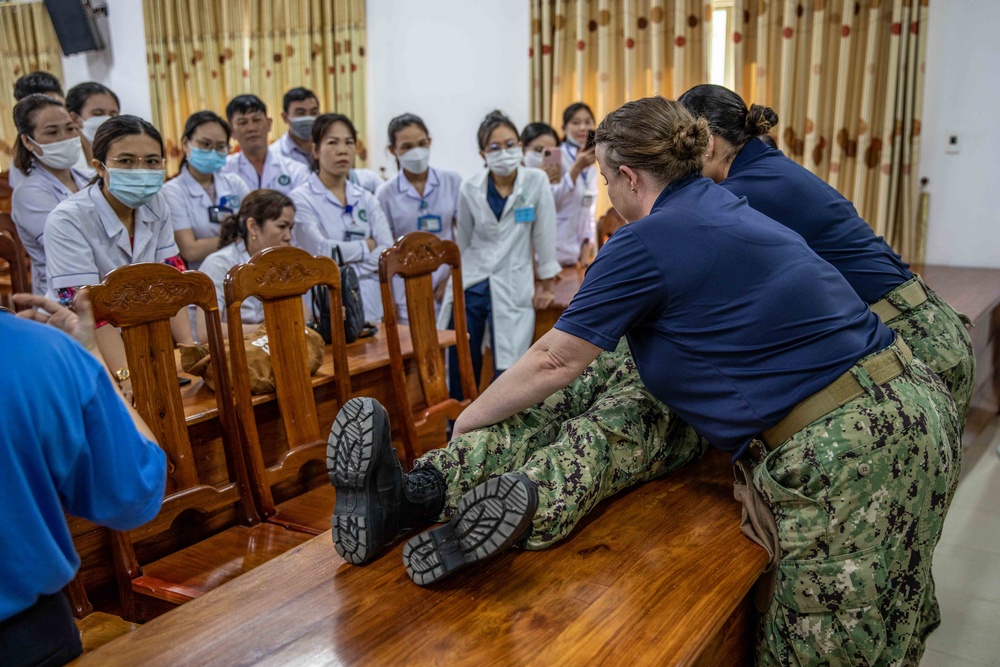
(721, 65)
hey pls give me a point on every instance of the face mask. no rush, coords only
(534, 159)
(415, 160)
(301, 127)
(504, 163)
(89, 129)
(206, 161)
(61, 154)
(135, 187)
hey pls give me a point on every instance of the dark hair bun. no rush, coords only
(690, 140)
(760, 120)
(496, 115)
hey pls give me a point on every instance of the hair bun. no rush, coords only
(759, 120)
(495, 115)
(690, 140)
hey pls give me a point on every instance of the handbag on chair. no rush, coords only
(354, 310)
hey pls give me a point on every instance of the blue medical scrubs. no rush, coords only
(789, 193)
(731, 318)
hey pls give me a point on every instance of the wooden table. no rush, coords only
(657, 575)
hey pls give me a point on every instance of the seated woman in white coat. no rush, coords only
(200, 196)
(265, 220)
(420, 198)
(46, 152)
(506, 217)
(120, 219)
(331, 213)
(90, 104)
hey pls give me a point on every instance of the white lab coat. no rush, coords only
(189, 203)
(35, 198)
(576, 205)
(85, 240)
(502, 251)
(15, 177)
(280, 173)
(323, 223)
(404, 209)
(366, 178)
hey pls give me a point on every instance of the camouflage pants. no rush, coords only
(938, 337)
(860, 497)
(603, 433)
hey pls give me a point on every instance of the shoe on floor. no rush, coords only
(489, 520)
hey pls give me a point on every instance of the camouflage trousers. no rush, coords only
(860, 497)
(601, 434)
(938, 337)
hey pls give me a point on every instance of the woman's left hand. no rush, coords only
(543, 299)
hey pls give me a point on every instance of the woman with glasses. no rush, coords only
(200, 197)
(333, 214)
(120, 219)
(506, 216)
(46, 152)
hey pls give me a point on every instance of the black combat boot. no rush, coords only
(375, 500)
(489, 520)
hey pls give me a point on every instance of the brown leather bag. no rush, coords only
(195, 359)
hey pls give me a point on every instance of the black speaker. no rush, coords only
(75, 25)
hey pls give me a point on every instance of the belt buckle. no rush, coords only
(757, 450)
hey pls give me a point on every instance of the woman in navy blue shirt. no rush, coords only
(792, 195)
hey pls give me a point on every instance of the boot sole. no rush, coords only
(489, 520)
(351, 461)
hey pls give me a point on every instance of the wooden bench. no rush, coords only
(657, 575)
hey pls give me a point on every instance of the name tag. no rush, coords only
(588, 199)
(429, 223)
(354, 234)
(526, 214)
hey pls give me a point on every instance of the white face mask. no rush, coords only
(534, 159)
(415, 160)
(504, 163)
(89, 129)
(61, 154)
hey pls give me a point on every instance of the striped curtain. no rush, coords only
(202, 53)
(27, 44)
(607, 52)
(846, 79)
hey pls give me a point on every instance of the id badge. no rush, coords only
(354, 234)
(588, 199)
(429, 223)
(523, 215)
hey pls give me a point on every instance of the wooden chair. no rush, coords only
(279, 277)
(608, 224)
(415, 257)
(96, 628)
(12, 252)
(141, 299)
(6, 192)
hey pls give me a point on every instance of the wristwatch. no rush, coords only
(122, 374)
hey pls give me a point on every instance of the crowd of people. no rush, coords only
(745, 306)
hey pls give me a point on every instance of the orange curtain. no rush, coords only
(203, 53)
(846, 79)
(28, 43)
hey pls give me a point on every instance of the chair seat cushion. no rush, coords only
(309, 513)
(98, 628)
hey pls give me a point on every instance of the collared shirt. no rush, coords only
(365, 178)
(799, 199)
(280, 173)
(34, 199)
(323, 224)
(189, 203)
(217, 265)
(732, 319)
(66, 442)
(85, 240)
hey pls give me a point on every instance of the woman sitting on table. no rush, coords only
(749, 356)
(506, 217)
(90, 104)
(332, 214)
(120, 219)
(200, 196)
(47, 151)
(420, 198)
(265, 220)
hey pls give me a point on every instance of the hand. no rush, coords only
(79, 324)
(586, 253)
(584, 159)
(371, 244)
(543, 299)
(126, 387)
(554, 172)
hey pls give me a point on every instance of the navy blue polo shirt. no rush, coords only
(731, 318)
(787, 192)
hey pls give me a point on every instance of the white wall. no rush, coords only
(450, 62)
(962, 97)
(121, 66)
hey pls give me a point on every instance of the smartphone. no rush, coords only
(553, 158)
(590, 140)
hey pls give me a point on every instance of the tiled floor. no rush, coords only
(967, 560)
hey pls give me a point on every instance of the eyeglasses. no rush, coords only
(206, 145)
(493, 148)
(129, 162)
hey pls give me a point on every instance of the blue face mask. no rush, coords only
(135, 187)
(206, 161)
